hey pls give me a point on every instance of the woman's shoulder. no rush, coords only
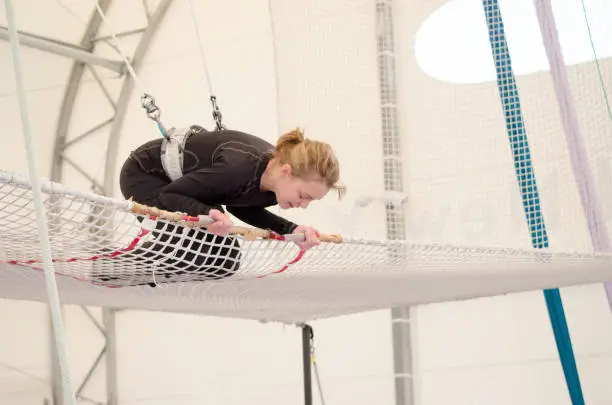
(243, 136)
(242, 142)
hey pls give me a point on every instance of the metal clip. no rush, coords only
(148, 103)
(217, 113)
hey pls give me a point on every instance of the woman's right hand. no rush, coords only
(222, 225)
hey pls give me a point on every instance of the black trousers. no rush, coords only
(178, 253)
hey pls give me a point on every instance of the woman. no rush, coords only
(233, 169)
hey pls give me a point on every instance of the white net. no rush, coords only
(485, 168)
(99, 243)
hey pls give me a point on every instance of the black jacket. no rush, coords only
(219, 168)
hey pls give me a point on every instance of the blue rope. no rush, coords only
(161, 129)
(508, 92)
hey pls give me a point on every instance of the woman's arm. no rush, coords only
(211, 184)
(187, 193)
(262, 218)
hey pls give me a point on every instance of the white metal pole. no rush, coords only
(56, 316)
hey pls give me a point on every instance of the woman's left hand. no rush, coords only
(311, 237)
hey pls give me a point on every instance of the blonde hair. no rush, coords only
(307, 157)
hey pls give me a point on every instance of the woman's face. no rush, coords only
(294, 192)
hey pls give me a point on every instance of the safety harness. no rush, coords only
(174, 140)
(172, 151)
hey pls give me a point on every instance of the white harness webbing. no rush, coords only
(172, 148)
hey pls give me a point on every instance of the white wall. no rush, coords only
(495, 350)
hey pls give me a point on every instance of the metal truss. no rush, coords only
(86, 60)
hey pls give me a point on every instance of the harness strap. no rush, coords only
(172, 151)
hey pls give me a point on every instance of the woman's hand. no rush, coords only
(222, 225)
(311, 237)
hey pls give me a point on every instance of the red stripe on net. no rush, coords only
(115, 253)
(132, 245)
(297, 259)
(143, 232)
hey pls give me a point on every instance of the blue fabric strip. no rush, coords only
(529, 191)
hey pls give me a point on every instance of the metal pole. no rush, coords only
(52, 292)
(108, 318)
(392, 160)
(69, 51)
(306, 350)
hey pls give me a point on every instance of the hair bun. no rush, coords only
(294, 137)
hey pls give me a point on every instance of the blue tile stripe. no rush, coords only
(523, 167)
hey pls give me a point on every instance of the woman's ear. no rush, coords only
(285, 169)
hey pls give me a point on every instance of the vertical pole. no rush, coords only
(525, 176)
(306, 350)
(57, 392)
(108, 319)
(52, 292)
(392, 160)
